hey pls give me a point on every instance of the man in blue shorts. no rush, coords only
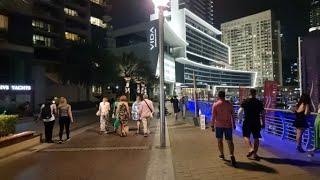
(223, 121)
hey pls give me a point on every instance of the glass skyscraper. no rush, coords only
(315, 16)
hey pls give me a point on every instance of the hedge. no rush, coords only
(7, 124)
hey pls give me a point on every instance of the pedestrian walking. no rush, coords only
(135, 113)
(224, 123)
(65, 118)
(103, 113)
(123, 113)
(253, 122)
(48, 110)
(301, 110)
(183, 106)
(146, 113)
(176, 109)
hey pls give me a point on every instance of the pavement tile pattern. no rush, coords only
(195, 156)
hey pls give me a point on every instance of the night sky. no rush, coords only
(293, 14)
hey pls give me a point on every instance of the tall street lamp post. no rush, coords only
(161, 4)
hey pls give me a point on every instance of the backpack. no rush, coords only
(46, 112)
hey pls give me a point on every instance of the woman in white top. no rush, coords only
(104, 108)
(135, 113)
(65, 118)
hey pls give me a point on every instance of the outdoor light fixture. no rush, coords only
(161, 4)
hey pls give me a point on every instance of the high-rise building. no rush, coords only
(35, 33)
(315, 15)
(255, 43)
(194, 53)
(16, 50)
(202, 8)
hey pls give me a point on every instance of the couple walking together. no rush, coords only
(224, 123)
(142, 112)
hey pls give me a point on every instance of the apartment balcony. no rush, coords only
(78, 19)
(82, 6)
(47, 15)
(79, 31)
(50, 3)
(45, 32)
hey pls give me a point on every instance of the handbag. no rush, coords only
(151, 113)
(116, 123)
(98, 113)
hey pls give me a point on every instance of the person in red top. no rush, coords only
(224, 123)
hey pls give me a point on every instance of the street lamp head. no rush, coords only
(159, 3)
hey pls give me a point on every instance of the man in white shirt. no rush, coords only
(104, 108)
(47, 114)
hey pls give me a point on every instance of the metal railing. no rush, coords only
(278, 123)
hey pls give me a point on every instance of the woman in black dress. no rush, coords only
(301, 124)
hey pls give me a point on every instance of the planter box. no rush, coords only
(18, 142)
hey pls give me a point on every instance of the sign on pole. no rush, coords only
(203, 122)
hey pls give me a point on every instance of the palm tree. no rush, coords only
(128, 67)
(145, 77)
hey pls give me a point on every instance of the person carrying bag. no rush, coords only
(146, 113)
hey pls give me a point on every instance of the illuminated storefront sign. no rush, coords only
(15, 87)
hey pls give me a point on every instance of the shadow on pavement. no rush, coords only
(294, 162)
(252, 166)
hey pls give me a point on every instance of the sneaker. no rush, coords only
(256, 157)
(60, 142)
(300, 149)
(68, 139)
(145, 135)
(221, 157)
(250, 154)
(233, 161)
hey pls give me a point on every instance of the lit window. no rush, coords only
(41, 25)
(3, 22)
(39, 40)
(72, 36)
(97, 22)
(70, 12)
(97, 1)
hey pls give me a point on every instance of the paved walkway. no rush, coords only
(82, 119)
(87, 155)
(191, 154)
(195, 156)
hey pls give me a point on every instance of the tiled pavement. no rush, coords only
(195, 156)
(86, 156)
(191, 155)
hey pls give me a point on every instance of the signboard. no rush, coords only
(15, 87)
(203, 122)
(169, 70)
(270, 94)
(153, 43)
